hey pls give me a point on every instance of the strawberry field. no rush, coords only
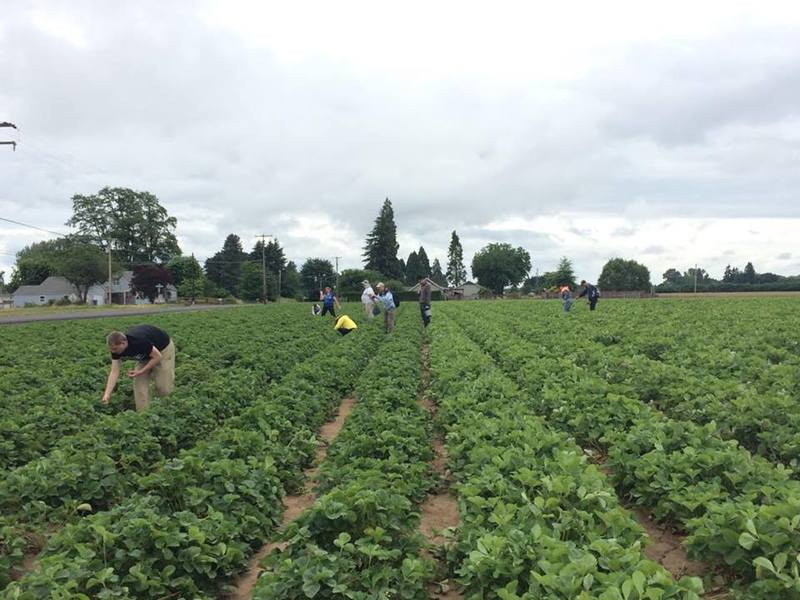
(556, 436)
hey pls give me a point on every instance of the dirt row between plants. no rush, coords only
(666, 544)
(294, 505)
(439, 511)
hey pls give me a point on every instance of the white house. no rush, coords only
(56, 288)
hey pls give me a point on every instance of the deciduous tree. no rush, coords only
(136, 225)
(148, 277)
(624, 275)
(497, 266)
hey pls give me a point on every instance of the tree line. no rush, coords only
(136, 232)
(733, 280)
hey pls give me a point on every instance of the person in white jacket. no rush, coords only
(368, 299)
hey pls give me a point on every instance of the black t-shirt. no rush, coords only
(141, 339)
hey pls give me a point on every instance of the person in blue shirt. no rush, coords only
(328, 300)
(386, 298)
(591, 292)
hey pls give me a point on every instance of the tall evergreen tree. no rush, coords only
(436, 273)
(225, 267)
(315, 274)
(749, 273)
(456, 272)
(274, 258)
(291, 287)
(424, 265)
(412, 266)
(380, 251)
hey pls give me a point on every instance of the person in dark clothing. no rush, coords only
(328, 300)
(154, 353)
(425, 300)
(591, 292)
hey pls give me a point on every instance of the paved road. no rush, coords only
(101, 313)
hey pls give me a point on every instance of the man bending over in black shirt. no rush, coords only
(154, 353)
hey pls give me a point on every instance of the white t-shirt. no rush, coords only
(367, 294)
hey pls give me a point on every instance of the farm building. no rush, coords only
(467, 291)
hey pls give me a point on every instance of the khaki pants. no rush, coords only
(388, 320)
(368, 310)
(163, 375)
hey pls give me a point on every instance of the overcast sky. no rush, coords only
(668, 134)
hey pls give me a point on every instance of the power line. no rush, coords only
(32, 227)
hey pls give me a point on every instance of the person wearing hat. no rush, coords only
(387, 300)
(368, 299)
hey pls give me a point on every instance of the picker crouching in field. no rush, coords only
(387, 300)
(425, 300)
(591, 292)
(154, 352)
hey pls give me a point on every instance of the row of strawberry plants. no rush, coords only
(766, 423)
(52, 390)
(536, 519)
(753, 341)
(195, 522)
(754, 398)
(98, 468)
(359, 540)
(738, 509)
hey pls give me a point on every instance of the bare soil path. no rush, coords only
(439, 511)
(294, 505)
(666, 546)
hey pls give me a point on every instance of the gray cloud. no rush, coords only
(234, 137)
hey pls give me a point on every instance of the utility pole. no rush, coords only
(12, 144)
(263, 237)
(108, 251)
(695, 278)
(336, 258)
